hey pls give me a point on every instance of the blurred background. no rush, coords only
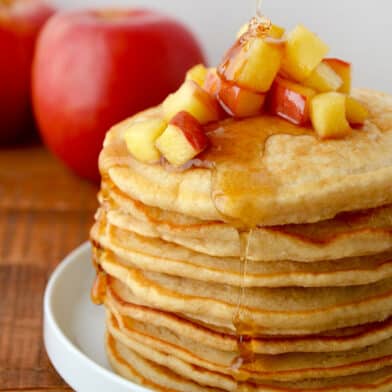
(80, 90)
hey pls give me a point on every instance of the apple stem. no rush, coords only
(111, 14)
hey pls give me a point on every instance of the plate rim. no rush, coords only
(53, 331)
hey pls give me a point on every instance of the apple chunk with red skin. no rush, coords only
(239, 102)
(290, 101)
(343, 69)
(20, 24)
(95, 68)
(183, 139)
(324, 79)
(253, 63)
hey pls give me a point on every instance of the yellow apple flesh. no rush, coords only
(253, 64)
(304, 52)
(140, 139)
(328, 114)
(194, 100)
(182, 140)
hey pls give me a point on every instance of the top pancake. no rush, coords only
(265, 171)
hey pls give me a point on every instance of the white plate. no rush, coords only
(74, 328)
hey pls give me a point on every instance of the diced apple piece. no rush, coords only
(275, 31)
(328, 114)
(253, 64)
(239, 102)
(198, 74)
(194, 100)
(140, 139)
(212, 82)
(183, 139)
(324, 79)
(291, 101)
(356, 113)
(304, 52)
(343, 69)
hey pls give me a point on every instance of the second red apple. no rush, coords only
(20, 23)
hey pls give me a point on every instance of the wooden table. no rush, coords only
(44, 213)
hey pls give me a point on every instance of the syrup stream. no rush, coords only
(242, 324)
(240, 320)
(259, 10)
(260, 24)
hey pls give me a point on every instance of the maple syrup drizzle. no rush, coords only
(259, 25)
(241, 321)
(242, 185)
(241, 182)
(259, 9)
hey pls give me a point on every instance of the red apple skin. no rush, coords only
(239, 102)
(20, 23)
(93, 69)
(290, 101)
(191, 129)
(333, 62)
(343, 69)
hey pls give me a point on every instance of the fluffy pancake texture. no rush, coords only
(135, 367)
(303, 180)
(264, 266)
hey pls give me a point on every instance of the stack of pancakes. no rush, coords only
(264, 266)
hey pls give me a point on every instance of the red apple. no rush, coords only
(20, 23)
(290, 101)
(95, 68)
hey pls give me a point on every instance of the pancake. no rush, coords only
(263, 265)
(274, 174)
(145, 339)
(274, 311)
(135, 367)
(331, 341)
(348, 235)
(144, 372)
(156, 255)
